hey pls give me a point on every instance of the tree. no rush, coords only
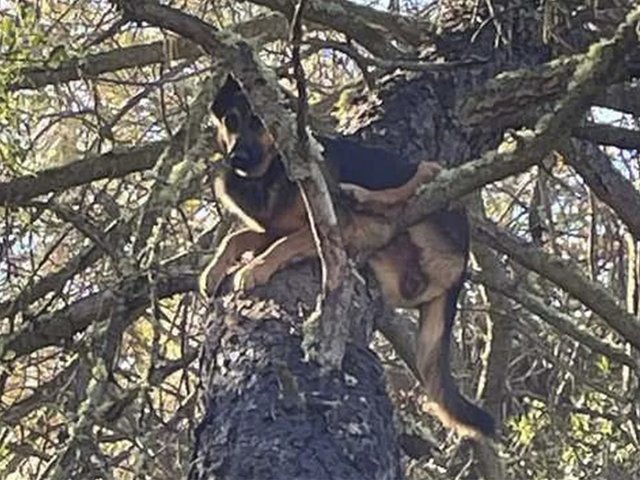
(106, 226)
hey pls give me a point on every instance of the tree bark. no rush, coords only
(272, 414)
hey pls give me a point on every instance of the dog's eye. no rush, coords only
(232, 121)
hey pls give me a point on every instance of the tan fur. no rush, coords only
(278, 255)
(397, 268)
(227, 254)
(440, 261)
(424, 247)
(219, 188)
(294, 218)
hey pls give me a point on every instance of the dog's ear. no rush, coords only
(226, 97)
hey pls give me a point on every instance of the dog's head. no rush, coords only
(248, 146)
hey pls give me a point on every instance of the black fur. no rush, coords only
(459, 407)
(261, 198)
(374, 168)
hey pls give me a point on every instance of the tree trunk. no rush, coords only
(272, 414)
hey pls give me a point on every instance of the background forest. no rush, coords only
(108, 216)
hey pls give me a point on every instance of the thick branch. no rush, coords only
(265, 29)
(80, 172)
(603, 60)
(609, 135)
(623, 97)
(369, 27)
(517, 98)
(597, 169)
(566, 275)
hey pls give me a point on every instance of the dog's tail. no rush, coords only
(432, 361)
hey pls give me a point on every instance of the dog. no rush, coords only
(423, 267)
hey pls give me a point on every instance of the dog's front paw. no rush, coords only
(210, 280)
(252, 275)
(428, 170)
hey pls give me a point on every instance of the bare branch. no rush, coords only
(94, 65)
(564, 274)
(81, 223)
(264, 29)
(56, 280)
(369, 27)
(609, 135)
(554, 317)
(596, 168)
(88, 169)
(403, 64)
(47, 391)
(177, 276)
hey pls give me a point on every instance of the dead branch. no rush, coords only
(564, 274)
(554, 317)
(369, 27)
(263, 29)
(610, 186)
(84, 170)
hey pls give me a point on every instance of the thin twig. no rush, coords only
(298, 72)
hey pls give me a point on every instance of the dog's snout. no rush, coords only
(243, 160)
(239, 158)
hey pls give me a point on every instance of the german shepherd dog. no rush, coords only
(422, 267)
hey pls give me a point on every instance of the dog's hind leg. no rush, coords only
(425, 172)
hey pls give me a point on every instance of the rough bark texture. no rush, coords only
(270, 413)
